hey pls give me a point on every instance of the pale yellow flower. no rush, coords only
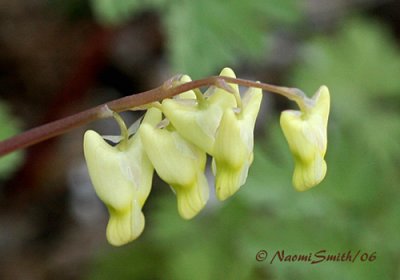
(306, 134)
(234, 141)
(122, 177)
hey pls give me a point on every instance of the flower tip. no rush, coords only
(324, 89)
(192, 199)
(228, 72)
(322, 95)
(91, 137)
(185, 79)
(124, 227)
(229, 181)
(306, 177)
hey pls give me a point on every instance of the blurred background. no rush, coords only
(59, 57)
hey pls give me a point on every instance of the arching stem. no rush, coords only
(168, 89)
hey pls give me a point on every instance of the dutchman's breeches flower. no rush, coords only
(306, 134)
(122, 178)
(180, 164)
(233, 152)
(197, 120)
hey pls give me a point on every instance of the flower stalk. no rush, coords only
(167, 90)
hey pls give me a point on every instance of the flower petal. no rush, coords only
(180, 164)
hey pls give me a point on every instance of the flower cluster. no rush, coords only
(174, 139)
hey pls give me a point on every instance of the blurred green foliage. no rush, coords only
(355, 208)
(207, 35)
(360, 65)
(8, 128)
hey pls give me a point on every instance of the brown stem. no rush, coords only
(55, 128)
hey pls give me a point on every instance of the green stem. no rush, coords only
(124, 131)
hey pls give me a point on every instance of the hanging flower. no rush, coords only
(121, 176)
(234, 141)
(306, 134)
(180, 164)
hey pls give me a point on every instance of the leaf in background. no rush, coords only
(114, 12)
(208, 35)
(8, 128)
(361, 56)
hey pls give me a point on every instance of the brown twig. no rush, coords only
(167, 90)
